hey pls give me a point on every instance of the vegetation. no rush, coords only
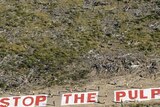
(51, 37)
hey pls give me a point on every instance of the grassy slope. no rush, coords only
(45, 36)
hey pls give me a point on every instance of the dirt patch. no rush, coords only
(106, 90)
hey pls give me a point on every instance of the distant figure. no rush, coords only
(59, 93)
(106, 95)
(54, 103)
(98, 88)
(49, 92)
(85, 89)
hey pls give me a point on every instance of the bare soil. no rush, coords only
(106, 90)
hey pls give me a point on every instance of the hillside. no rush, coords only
(57, 42)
